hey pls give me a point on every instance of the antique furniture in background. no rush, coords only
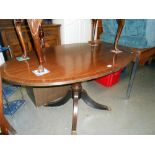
(18, 27)
(76, 62)
(120, 23)
(37, 34)
(9, 37)
(35, 26)
(137, 34)
(96, 30)
(39, 96)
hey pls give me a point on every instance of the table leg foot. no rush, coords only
(74, 133)
(90, 102)
(61, 101)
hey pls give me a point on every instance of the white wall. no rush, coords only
(1, 59)
(74, 30)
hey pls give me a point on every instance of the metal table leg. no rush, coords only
(132, 77)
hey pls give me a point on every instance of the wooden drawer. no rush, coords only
(52, 42)
(50, 31)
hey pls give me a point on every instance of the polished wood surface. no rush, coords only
(67, 64)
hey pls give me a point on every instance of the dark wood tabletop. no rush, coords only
(67, 64)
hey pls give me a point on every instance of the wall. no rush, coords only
(1, 59)
(74, 30)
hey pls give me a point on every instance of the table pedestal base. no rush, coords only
(77, 93)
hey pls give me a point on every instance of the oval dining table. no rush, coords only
(67, 64)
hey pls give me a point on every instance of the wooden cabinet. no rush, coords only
(52, 34)
(39, 95)
(9, 37)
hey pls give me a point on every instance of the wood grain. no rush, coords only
(67, 64)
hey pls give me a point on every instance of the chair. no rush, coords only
(10, 107)
(138, 34)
